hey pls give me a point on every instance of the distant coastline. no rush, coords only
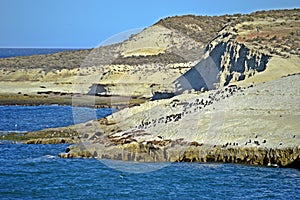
(15, 52)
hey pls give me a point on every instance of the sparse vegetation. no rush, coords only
(211, 25)
(280, 26)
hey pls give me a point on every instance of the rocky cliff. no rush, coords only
(225, 61)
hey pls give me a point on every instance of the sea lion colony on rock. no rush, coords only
(190, 107)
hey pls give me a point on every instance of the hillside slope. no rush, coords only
(237, 47)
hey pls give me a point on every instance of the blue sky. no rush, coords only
(86, 23)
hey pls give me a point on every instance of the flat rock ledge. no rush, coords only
(51, 141)
(192, 152)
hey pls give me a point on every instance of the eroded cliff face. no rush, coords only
(235, 60)
(225, 61)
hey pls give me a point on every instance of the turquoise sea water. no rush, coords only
(36, 172)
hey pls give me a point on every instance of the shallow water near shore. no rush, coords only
(35, 171)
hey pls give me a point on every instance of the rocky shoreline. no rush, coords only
(173, 151)
(180, 151)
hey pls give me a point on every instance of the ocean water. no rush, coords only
(13, 52)
(33, 118)
(36, 172)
